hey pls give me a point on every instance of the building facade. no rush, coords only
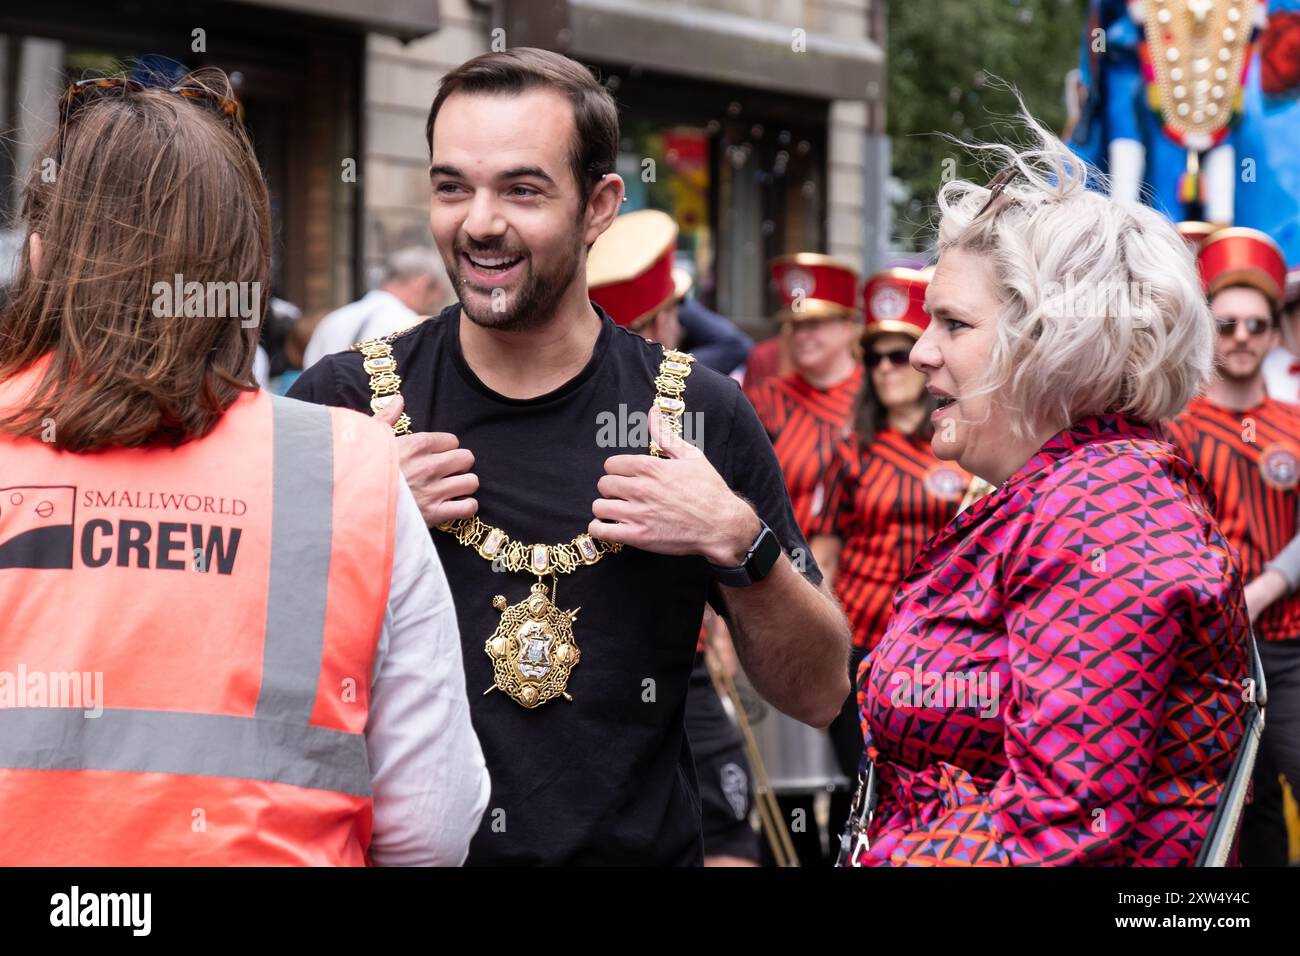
(757, 123)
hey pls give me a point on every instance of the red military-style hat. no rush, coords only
(630, 267)
(814, 286)
(1195, 232)
(1241, 256)
(895, 302)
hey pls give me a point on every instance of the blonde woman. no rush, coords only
(1060, 681)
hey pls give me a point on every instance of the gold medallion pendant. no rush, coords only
(532, 649)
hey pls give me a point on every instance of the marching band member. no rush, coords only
(1282, 364)
(887, 491)
(806, 412)
(1248, 445)
(1056, 645)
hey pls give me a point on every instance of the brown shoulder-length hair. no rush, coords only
(594, 151)
(151, 186)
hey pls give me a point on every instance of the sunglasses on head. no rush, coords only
(1254, 326)
(895, 357)
(997, 185)
(86, 91)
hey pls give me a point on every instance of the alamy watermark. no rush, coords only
(1129, 301)
(62, 689)
(949, 690)
(631, 429)
(208, 300)
(130, 910)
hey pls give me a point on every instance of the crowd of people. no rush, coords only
(1026, 549)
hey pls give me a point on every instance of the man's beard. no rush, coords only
(1240, 378)
(537, 297)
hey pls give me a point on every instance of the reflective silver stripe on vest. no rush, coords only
(302, 501)
(204, 745)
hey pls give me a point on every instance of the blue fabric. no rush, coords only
(715, 341)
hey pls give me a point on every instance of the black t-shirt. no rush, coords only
(607, 778)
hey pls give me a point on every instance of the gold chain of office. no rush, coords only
(493, 543)
(533, 650)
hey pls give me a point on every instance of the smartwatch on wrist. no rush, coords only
(759, 560)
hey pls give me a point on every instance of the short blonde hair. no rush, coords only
(1102, 307)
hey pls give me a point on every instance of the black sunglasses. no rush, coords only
(1254, 326)
(896, 357)
(84, 91)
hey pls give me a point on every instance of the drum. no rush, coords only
(799, 758)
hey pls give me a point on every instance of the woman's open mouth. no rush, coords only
(942, 399)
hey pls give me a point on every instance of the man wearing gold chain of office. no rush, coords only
(579, 560)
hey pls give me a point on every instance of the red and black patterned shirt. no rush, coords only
(884, 502)
(1252, 460)
(805, 424)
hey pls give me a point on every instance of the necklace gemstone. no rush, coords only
(541, 558)
(492, 543)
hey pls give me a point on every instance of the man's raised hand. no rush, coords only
(436, 468)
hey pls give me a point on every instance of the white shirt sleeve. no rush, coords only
(428, 777)
(376, 313)
(261, 367)
(1280, 382)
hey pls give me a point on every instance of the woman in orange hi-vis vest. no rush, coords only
(226, 636)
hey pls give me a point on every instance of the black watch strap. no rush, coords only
(759, 561)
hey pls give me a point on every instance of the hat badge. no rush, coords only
(1279, 466)
(796, 279)
(888, 303)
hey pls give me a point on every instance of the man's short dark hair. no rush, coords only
(595, 115)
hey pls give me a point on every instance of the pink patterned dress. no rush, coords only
(1061, 681)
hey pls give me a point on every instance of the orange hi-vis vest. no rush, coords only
(186, 641)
